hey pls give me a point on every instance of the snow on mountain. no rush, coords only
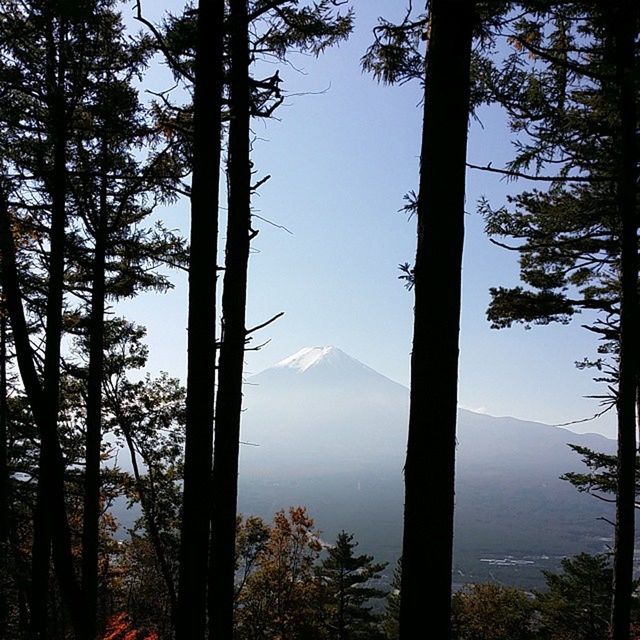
(311, 356)
(321, 405)
(311, 370)
(327, 361)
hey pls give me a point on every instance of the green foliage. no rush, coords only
(348, 585)
(398, 52)
(252, 535)
(558, 88)
(293, 26)
(601, 479)
(277, 29)
(529, 307)
(391, 619)
(395, 57)
(577, 602)
(284, 590)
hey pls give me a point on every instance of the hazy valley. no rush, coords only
(324, 430)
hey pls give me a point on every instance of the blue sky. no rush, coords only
(340, 162)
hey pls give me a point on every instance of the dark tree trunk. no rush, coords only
(429, 469)
(625, 17)
(51, 529)
(24, 357)
(234, 297)
(91, 517)
(341, 624)
(194, 544)
(4, 474)
(15, 311)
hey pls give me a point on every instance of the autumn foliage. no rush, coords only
(119, 627)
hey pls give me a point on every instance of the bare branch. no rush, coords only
(257, 348)
(257, 185)
(173, 61)
(518, 174)
(264, 324)
(273, 224)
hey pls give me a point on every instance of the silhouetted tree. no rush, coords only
(257, 29)
(233, 335)
(577, 602)
(201, 343)
(43, 77)
(4, 470)
(112, 191)
(601, 477)
(348, 589)
(430, 462)
(581, 236)
(625, 29)
(391, 620)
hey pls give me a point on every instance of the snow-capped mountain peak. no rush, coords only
(309, 357)
(327, 366)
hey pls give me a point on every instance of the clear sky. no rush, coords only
(340, 162)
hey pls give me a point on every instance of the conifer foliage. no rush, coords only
(348, 582)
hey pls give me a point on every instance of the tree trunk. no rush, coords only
(341, 625)
(4, 475)
(201, 359)
(430, 463)
(51, 529)
(625, 24)
(229, 398)
(91, 517)
(24, 356)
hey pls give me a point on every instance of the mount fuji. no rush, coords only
(324, 430)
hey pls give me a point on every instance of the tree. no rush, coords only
(391, 620)
(42, 80)
(119, 628)
(493, 612)
(601, 477)
(233, 334)
(625, 28)
(581, 236)
(147, 416)
(4, 470)
(577, 602)
(201, 346)
(252, 535)
(113, 190)
(257, 29)
(346, 580)
(430, 462)
(281, 597)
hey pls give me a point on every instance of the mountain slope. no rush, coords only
(331, 434)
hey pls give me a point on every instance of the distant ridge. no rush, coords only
(332, 435)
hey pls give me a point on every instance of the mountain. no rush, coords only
(327, 409)
(322, 429)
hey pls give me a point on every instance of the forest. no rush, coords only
(92, 157)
